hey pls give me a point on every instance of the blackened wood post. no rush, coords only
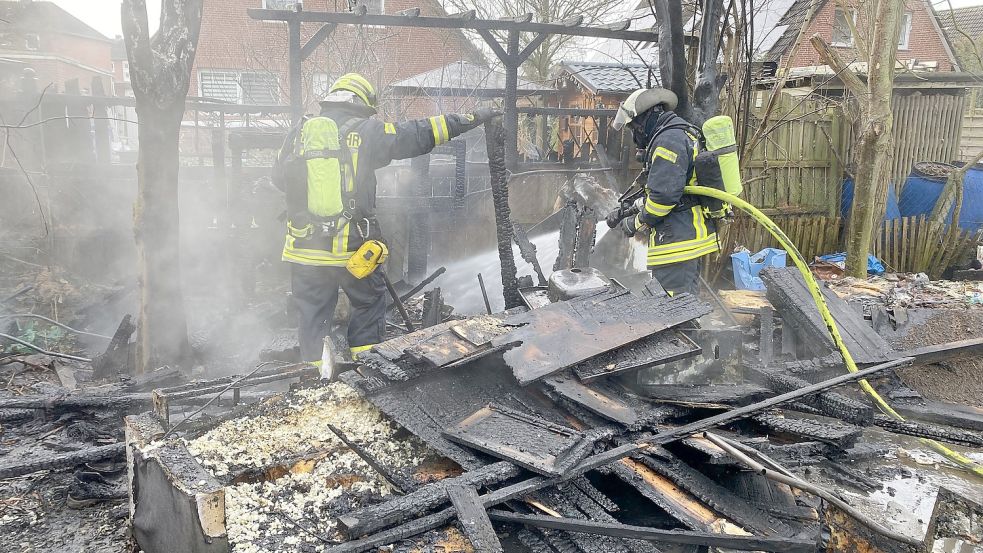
(511, 97)
(296, 85)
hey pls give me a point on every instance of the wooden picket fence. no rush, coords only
(918, 245)
(812, 234)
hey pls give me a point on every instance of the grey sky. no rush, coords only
(103, 15)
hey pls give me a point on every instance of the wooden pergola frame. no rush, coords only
(509, 54)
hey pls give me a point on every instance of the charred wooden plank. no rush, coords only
(731, 394)
(766, 340)
(717, 497)
(949, 350)
(60, 461)
(831, 404)
(788, 293)
(562, 334)
(960, 416)
(679, 504)
(117, 355)
(657, 349)
(836, 434)
(473, 518)
(810, 369)
(564, 502)
(527, 441)
(740, 543)
(592, 399)
(932, 431)
(418, 502)
(530, 485)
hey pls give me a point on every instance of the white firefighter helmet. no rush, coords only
(641, 101)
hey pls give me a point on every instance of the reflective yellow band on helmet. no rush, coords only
(657, 209)
(358, 85)
(438, 125)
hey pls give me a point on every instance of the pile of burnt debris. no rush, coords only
(592, 419)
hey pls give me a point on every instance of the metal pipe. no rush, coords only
(815, 490)
(399, 304)
(484, 294)
(44, 351)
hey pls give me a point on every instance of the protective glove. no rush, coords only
(630, 226)
(614, 218)
(483, 115)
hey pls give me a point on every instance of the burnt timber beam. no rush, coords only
(533, 484)
(317, 39)
(433, 22)
(831, 404)
(941, 352)
(473, 518)
(740, 543)
(60, 461)
(966, 438)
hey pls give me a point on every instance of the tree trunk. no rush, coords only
(162, 329)
(874, 146)
(672, 51)
(160, 72)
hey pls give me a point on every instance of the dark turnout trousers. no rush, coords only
(315, 293)
(680, 277)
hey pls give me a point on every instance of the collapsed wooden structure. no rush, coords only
(566, 456)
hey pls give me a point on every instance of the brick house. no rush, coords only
(58, 46)
(242, 60)
(964, 27)
(922, 44)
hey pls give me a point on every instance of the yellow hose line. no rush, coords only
(817, 296)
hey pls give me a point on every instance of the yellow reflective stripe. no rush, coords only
(305, 256)
(701, 233)
(665, 153)
(439, 126)
(317, 363)
(655, 259)
(683, 245)
(389, 128)
(444, 129)
(657, 209)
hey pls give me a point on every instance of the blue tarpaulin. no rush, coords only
(846, 201)
(874, 265)
(919, 195)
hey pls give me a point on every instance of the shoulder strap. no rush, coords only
(689, 127)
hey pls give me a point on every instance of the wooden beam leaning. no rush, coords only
(474, 520)
(316, 40)
(532, 484)
(531, 47)
(740, 543)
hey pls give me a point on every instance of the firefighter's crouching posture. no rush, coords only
(680, 232)
(327, 169)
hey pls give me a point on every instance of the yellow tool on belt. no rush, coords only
(367, 258)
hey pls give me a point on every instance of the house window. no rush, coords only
(259, 88)
(126, 71)
(905, 31)
(32, 41)
(319, 85)
(842, 36)
(281, 4)
(219, 85)
(373, 7)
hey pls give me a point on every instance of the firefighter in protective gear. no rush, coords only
(680, 233)
(327, 168)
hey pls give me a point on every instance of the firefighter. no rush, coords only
(680, 234)
(327, 168)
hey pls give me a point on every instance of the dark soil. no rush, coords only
(955, 381)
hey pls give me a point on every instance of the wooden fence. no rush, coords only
(918, 245)
(796, 167)
(812, 234)
(927, 127)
